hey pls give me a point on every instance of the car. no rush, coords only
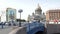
(0, 23)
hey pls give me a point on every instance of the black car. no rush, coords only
(0, 23)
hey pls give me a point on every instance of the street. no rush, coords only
(6, 29)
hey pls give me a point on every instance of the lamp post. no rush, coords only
(20, 11)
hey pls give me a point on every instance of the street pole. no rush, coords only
(20, 17)
(20, 21)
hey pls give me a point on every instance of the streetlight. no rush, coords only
(20, 11)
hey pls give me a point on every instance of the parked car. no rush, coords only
(0, 23)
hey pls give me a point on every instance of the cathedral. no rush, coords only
(37, 16)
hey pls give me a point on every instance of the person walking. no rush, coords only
(2, 25)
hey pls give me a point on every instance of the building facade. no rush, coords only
(52, 15)
(10, 14)
(37, 15)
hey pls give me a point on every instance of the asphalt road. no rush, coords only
(6, 29)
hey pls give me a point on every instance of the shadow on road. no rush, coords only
(39, 32)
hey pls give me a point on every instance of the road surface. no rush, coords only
(6, 29)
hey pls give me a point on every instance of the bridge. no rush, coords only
(34, 28)
(26, 28)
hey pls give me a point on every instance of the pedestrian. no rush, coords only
(2, 25)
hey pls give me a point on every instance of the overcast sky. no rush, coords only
(28, 6)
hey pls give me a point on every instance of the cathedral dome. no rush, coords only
(38, 8)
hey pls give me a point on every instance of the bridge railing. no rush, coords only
(31, 25)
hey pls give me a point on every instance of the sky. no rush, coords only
(28, 6)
